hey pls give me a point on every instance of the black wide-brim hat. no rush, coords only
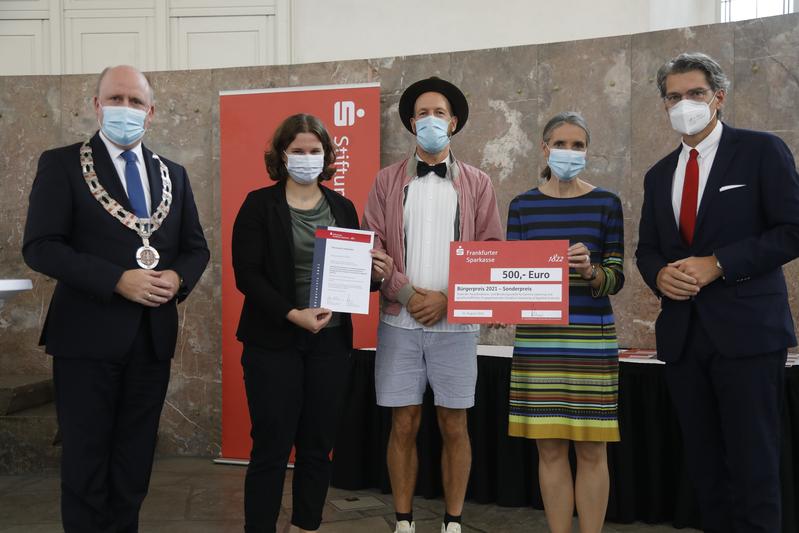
(457, 101)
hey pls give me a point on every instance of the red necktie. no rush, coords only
(690, 192)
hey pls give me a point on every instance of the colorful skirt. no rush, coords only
(564, 383)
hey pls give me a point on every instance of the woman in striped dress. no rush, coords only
(564, 379)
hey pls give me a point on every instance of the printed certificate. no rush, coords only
(509, 282)
(342, 270)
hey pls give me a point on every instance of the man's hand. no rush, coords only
(675, 284)
(427, 307)
(580, 259)
(702, 269)
(147, 287)
(312, 319)
(170, 280)
(382, 265)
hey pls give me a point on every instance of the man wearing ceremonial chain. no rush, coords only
(117, 227)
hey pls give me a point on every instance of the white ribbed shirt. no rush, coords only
(430, 214)
(707, 154)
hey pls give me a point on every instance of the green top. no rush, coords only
(303, 227)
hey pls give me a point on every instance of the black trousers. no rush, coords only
(729, 409)
(294, 397)
(108, 412)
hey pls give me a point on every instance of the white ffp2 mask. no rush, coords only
(689, 117)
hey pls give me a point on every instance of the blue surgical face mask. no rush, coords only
(123, 125)
(566, 164)
(432, 134)
(305, 168)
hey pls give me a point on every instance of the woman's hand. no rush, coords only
(382, 265)
(580, 259)
(312, 319)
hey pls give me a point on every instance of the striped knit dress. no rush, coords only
(564, 379)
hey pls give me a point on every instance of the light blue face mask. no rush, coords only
(305, 168)
(432, 134)
(123, 125)
(566, 164)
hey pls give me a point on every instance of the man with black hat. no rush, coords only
(416, 208)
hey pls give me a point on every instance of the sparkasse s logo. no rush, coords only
(459, 250)
(344, 113)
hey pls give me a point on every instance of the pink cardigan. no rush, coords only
(478, 213)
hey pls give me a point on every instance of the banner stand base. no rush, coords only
(230, 461)
(238, 462)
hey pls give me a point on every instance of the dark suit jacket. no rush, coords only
(753, 230)
(263, 262)
(69, 236)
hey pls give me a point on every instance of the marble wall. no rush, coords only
(512, 92)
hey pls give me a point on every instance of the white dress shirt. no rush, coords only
(707, 153)
(119, 163)
(429, 213)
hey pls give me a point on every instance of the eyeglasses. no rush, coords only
(697, 95)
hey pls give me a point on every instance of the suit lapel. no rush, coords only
(663, 196)
(281, 207)
(336, 208)
(724, 156)
(107, 173)
(153, 177)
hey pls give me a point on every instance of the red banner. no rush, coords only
(513, 282)
(247, 120)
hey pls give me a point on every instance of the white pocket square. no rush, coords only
(728, 187)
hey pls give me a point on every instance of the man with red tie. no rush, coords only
(720, 217)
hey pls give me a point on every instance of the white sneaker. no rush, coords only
(453, 527)
(403, 526)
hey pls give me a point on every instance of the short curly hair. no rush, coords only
(689, 61)
(285, 135)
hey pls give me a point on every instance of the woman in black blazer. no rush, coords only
(295, 358)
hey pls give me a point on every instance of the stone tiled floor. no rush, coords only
(197, 496)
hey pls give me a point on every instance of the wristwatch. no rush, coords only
(593, 272)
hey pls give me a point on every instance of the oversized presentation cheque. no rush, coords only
(509, 282)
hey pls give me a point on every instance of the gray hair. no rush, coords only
(687, 62)
(564, 117)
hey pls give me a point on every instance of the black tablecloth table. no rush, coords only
(648, 479)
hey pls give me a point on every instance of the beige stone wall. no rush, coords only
(512, 92)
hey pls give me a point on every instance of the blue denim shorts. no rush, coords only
(408, 359)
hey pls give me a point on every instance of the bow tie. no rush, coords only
(423, 169)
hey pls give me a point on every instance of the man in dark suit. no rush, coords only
(720, 217)
(117, 227)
